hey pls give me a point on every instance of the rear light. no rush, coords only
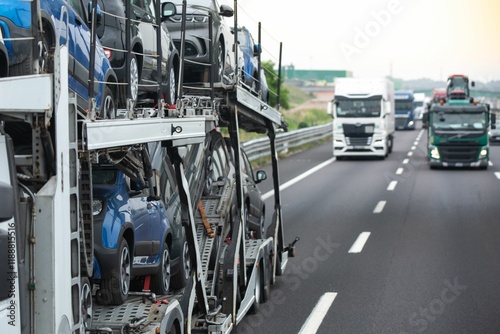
(108, 53)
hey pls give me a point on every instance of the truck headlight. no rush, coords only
(483, 153)
(435, 153)
(96, 207)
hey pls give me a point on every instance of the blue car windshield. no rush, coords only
(104, 176)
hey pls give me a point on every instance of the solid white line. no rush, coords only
(410, 154)
(318, 313)
(497, 174)
(298, 178)
(399, 171)
(360, 242)
(379, 207)
(392, 185)
(405, 161)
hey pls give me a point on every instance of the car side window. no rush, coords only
(77, 7)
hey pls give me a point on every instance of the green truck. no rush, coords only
(458, 129)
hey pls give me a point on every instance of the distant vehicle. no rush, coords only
(494, 133)
(419, 105)
(405, 111)
(132, 236)
(198, 43)
(142, 82)
(15, 22)
(438, 96)
(363, 117)
(457, 87)
(4, 58)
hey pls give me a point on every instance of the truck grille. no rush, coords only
(401, 122)
(459, 153)
(358, 141)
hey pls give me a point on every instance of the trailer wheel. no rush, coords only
(161, 280)
(258, 291)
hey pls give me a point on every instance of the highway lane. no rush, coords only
(429, 264)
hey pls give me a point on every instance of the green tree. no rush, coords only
(272, 83)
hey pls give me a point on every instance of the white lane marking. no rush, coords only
(405, 161)
(410, 154)
(490, 163)
(392, 185)
(413, 148)
(318, 313)
(399, 171)
(379, 207)
(497, 174)
(298, 178)
(360, 242)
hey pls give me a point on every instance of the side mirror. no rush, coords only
(330, 109)
(168, 9)
(226, 11)
(260, 176)
(257, 49)
(473, 84)
(98, 14)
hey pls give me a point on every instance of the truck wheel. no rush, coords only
(180, 279)
(161, 280)
(115, 289)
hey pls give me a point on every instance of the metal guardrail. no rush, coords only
(259, 148)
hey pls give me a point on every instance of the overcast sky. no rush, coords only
(409, 39)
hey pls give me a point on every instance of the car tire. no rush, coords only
(161, 280)
(219, 63)
(180, 279)
(171, 85)
(86, 302)
(108, 107)
(115, 288)
(134, 78)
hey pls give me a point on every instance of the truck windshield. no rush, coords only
(459, 121)
(402, 107)
(358, 108)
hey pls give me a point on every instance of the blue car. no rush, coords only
(15, 23)
(132, 236)
(249, 63)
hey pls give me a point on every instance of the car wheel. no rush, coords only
(108, 107)
(220, 62)
(86, 302)
(171, 92)
(180, 279)
(134, 78)
(161, 280)
(117, 286)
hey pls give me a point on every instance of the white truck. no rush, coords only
(46, 223)
(363, 117)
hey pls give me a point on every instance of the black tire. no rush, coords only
(161, 280)
(171, 85)
(180, 279)
(115, 289)
(108, 107)
(23, 68)
(86, 302)
(134, 78)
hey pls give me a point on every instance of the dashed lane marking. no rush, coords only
(318, 313)
(360, 242)
(399, 171)
(405, 161)
(380, 207)
(392, 185)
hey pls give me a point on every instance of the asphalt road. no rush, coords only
(387, 246)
